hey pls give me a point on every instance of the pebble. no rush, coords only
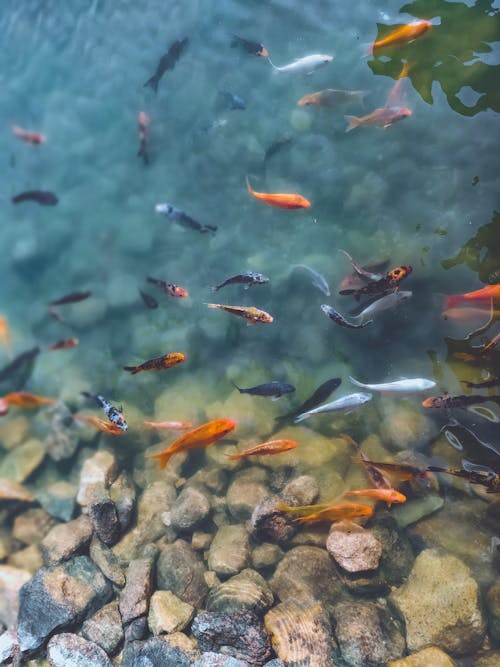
(20, 462)
(490, 659)
(243, 495)
(68, 649)
(211, 659)
(29, 559)
(8, 646)
(100, 469)
(229, 552)
(13, 431)
(66, 540)
(190, 509)
(63, 437)
(180, 570)
(303, 490)
(397, 552)
(134, 598)
(354, 549)
(414, 510)
(12, 492)
(104, 628)
(429, 657)
(168, 613)
(123, 495)
(103, 514)
(59, 499)
(11, 581)
(31, 526)
(268, 524)
(107, 562)
(493, 607)
(246, 590)
(266, 556)
(154, 652)
(201, 541)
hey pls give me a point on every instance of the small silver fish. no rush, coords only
(360, 271)
(305, 65)
(317, 279)
(247, 279)
(389, 301)
(177, 215)
(339, 319)
(343, 404)
(408, 386)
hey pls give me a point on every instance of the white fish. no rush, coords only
(317, 279)
(408, 386)
(305, 65)
(389, 301)
(343, 404)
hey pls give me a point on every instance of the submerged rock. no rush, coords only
(266, 556)
(32, 526)
(68, 649)
(155, 652)
(9, 646)
(268, 524)
(107, 562)
(405, 426)
(247, 590)
(303, 490)
(134, 598)
(66, 540)
(429, 657)
(493, 606)
(20, 462)
(168, 613)
(211, 659)
(230, 551)
(190, 509)
(180, 570)
(105, 628)
(355, 549)
(11, 581)
(101, 470)
(123, 495)
(243, 496)
(59, 500)
(63, 437)
(414, 510)
(12, 493)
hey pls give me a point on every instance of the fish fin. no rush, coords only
(233, 457)
(132, 369)
(152, 83)
(238, 388)
(162, 457)
(356, 382)
(211, 305)
(352, 123)
(272, 64)
(276, 398)
(249, 187)
(347, 292)
(300, 418)
(365, 324)
(213, 288)
(208, 228)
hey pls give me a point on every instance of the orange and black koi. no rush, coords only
(489, 479)
(169, 288)
(64, 344)
(254, 48)
(149, 300)
(74, 297)
(158, 363)
(458, 401)
(388, 282)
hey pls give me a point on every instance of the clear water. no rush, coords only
(415, 193)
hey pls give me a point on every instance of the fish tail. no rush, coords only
(162, 457)
(238, 388)
(365, 324)
(249, 187)
(300, 418)
(132, 369)
(208, 228)
(352, 123)
(234, 457)
(152, 83)
(358, 384)
(212, 305)
(451, 302)
(272, 64)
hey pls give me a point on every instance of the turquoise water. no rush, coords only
(415, 193)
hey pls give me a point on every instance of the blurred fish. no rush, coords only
(23, 399)
(483, 385)
(169, 288)
(486, 477)
(167, 61)
(5, 337)
(254, 48)
(467, 313)
(343, 404)
(34, 138)
(407, 386)
(341, 320)
(388, 282)
(251, 314)
(247, 279)
(74, 297)
(143, 124)
(233, 101)
(382, 117)
(42, 197)
(202, 436)
(354, 281)
(149, 300)
(318, 280)
(305, 65)
(169, 425)
(374, 474)
(361, 271)
(105, 427)
(277, 146)
(332, 513)
(402, 35)
(64, 344)
(403, 472)
(391, 300)
(177, 215)
(458, 401)
(486, 294)
(265, 449)
(280, 200)
(275, 389)
(18, 371)
(158, 363)
(388, 496)
(332, 98)
(320, 395)
(114, 415)
(4, 407)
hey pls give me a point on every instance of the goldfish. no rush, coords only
(33, 138)
(42, 197)
(251, 314)
(114, 415)
(388, 496)
(254, 48)
(169, 425)
(64, 344)
(403, 35)
(23, 399)
(408, 386)
(486, 294)
(382, 117)
(74, 297)
(332, 98)
(183, 219)
(99, 424)
(280, 200)
(202, 436)
(305, 65)
(457, 401)
(5, 337)
(158, 363)
(143, 122)
(318, 513)
(265, 449)
(339, 319)
(169, 288)
(403, 472)
(167, 61)
(465, 314)
(247, 279)
(275, 389)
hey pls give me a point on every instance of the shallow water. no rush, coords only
(422, 192)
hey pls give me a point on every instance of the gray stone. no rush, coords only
(107, 562)
(397, 552)
(266, 556)
(59, 500)
(66, 540)
(63, 437)
(268, 524)
(103, 515)
(123, 495)
(104, 628)
(303, 490)
(20, 462)
(211, 659)
(246, 590)
(181, 571)
(154, 652)
(243, 496)
(136, 629)
(134, 598)
(493, 606)
(230, 550)
(101, 470)
(58, 597)
(8, 646)
(168, 613)
(11, 582)
(354, 548)
(190, 509)
(31, 526)
(69, 649)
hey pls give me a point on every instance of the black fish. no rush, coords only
(278, 145)
(74, 297)
(340, 319)
(248, 279)
(319, 396)
(149, 300)
(483, 385)
(42, 197)
(274, 389)
(255, 48)
(18, 371)
(167, 61)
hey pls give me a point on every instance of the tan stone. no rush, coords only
(428, 657)
(168, 613)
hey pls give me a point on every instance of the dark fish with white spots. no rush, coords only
(458, 401)
(318, 397)
(167, 61)
(272, 389)
(114, 415)
(177, 215)
(247, 279)
(42, 197)
(340, 319)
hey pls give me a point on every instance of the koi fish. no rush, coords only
(169, 425)
(74, 297)
(247, 279)
(64, 344)
(374, 474)
(42, 197)
(251, 314)
(340, 319)
(305, 65)
(114, 415)
(265, 449)
(458, 401)
(382, 117)
(105, 427)
(167, 61)
(388, 496)
(143, 123)
(318, 280)
(408, 386)
(388, 282)
(169, 288)
(403, 35)
(177, 215)
(158, 363)
(320, 395)
(332, 98)
(332, 513)
(486, 294)
(403, 472)
(254, 48)
(23, 399)
(344, 404)
(280, 200)
(19, 370)
(386, 302)
(202, 436)
(363, 272)
(5, 337)
(149, 300)
(275, 389)
(355, 281)
(234, 102)
(487, 478)
(33, 138)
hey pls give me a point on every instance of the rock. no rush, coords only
(247, 590)
(11, 582)
(63, 438)
(493, 607)
(68, 649)
(243, 496)
(366, 634)
(100, 469)
(211, 659)
(168, 613)
(414, 510)
(303, 490)
(230, 551)
(58, 597)
(134, 598)
(429, 657)
(241, 633)
(13, 431)
(490, 659)
(155, 652)
(31, 526)
(13, 493)
(66, 540)
(354, 548)
(29, 559)
(104, 628)
(440, 605)
(301, 633)
(123, 495)
(107, 562)
(8, 646)
(20, 462)
(201, 541)
(397, 553)
(184, 643)
(404, 426)
(266, 556)
(136, 629)
(103, 515)
(190, 509)
(181, 571)
(268, 524)
(59, 500)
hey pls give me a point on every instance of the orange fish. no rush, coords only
(465, 314)
(388, 496)
(64, 344)
(34, 138)
(23, 399)
(486, 294)
(202, 436)
(158, 363)
(266, 448)
(5, 338)
(249, 313)
(280, 200)
(100, 424)
(384, 117)
(332, 98)
(317, 513)
(403, 35)
(170, 425)
(401, 471)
